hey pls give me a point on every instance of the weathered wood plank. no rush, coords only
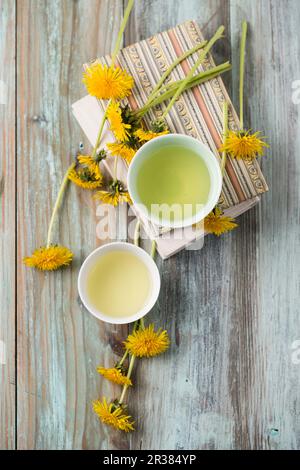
(179, 395)
(228, 379)
(59, 344)
(274, 383)
(7, 224)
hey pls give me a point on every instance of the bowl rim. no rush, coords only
(215, 176)
(153, 271)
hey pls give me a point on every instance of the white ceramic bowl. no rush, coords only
(145, 152)
(143, 256)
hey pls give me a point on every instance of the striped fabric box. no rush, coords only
(198, 113)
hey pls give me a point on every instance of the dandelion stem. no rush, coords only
(100, 131)
(137, 233)
(123, 357)
(225, 130)
(135, 326)
(153, 249)
(116, 167)
(242, 72)
(172, 87)
(58, 202)
(200, 59)
(206, 74)
(131, 363)
(137, 238)
(191, 51)
(121, 31)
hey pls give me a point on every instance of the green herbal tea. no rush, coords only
(118, 284)
(173, 175)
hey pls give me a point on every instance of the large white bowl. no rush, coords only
(148, 149)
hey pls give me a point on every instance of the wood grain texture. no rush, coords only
(59, 344)
(7, 225)
(271, 70)
(232, 309)
(230, 382)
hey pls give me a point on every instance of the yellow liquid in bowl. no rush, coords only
(118, 284)
(173, 175)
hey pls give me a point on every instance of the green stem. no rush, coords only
(121, 31)
(199, 76)
(58, 202)
(123, 358)
(130, 368)
(191, 84)
(137, 233)
(197, 80)
(242, 72)
(135, 325)
(116, 167)
(186, 54)
(153, 249)
(200, 59)
(100, 131)
(225, 130)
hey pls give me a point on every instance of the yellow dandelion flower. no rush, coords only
(92, 164)
(244, 145)
(114, 375)
(217, 223)
(113, 415)
(115, 195)
(84, 178)
(106, 83)
(147, 342)
(49, 258)
(118, 127)
(144, 136)
(122, 150)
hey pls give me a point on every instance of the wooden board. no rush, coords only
(7, 225)
(59, 344)
(228, 380)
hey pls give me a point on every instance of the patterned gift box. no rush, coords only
(198, 113)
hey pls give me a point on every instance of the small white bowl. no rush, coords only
(143, 256)
(144, 153)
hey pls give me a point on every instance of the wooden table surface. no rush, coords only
(231, 378)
